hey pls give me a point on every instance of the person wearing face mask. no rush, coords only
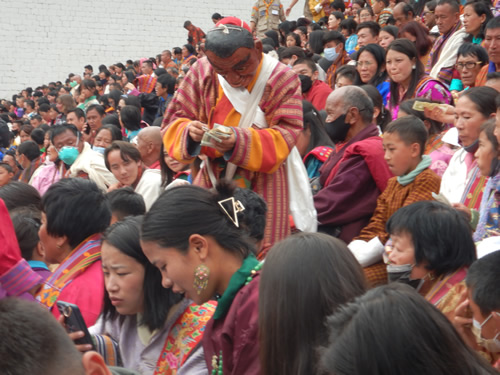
(355, 169)
(432, 249)
(477, 318)
(313, 90)
(78, 157)
(334, 55)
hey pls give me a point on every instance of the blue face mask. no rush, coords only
(330, 54)
(100, 150)
(68, 154)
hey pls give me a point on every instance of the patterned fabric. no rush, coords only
(396, 196)
(146, 83)
(315, 159)
(330, 73)
(184, 336)
(384, 16)
(439, 152)
(258, 153)
(446, 74)
(195, 35)
(474, 189)
(446, 291)
(19, 279)
(108, 348)
(489, 211)
(376, 274)
(88, 252)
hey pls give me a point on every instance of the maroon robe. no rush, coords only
(346, 204)
(236, 334)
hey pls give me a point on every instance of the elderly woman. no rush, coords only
(124, 161)
(470, 59)
(407, 77)
(75, 213)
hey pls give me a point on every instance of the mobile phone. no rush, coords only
(87, 129)
(74, 322)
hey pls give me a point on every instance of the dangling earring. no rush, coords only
(414, 67)
(201, 274)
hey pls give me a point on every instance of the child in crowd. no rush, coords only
(125, 202)
(404, 145)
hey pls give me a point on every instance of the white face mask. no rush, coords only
(491, 345)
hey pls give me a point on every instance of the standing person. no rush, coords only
(194, 237)
(443, 54)
(266, 15)
(75, 213)
(254, 153)
(195, 34)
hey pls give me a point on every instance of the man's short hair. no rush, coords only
(494, 23)
(187, 24)
(223, 41)
(126, 202)
(483, 280)
(167, 82)
(29, 149)
(410, 129)
(309, 62)
(333, 36)
(373, 26)
(455, 6)
(386, 2)
(288, 52)
(78, 112)
(44, 107)
(339, 5)
(33, 342)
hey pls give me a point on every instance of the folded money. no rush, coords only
(420, 106)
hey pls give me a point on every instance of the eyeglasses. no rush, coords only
(468, 65)
(364, 63)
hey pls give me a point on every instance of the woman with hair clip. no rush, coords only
(370, 64)
(391, 330)
(155, 330)
(305, 278)
(193, 236)
(439, 151)
(313, 142)
(408, 79)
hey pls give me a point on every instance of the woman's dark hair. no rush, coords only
(319, 271)
(116, 96)
(469, 49)
(435, 127)
(296, 37)
(103, 100)
(116, 134)
(167, 175)
(348, 71)
(419, 31)
(480, 8)
(130, 76)
(185, 210)
(284, 28)
(348, 24)
(368, 334)
(338, 15)
(368, 9)
(27, 222)
(27, 128)
(89, 84)
(127, 152)
(113, 120)
(384, 117)
(441, 235)
(76, 208)
(130, 117)
(390, 29)
(125, 237)
(483, 98)
(489, 130)
(126, 202)
(133, 100)
(190, 48)
(314, 123)
(406, 47)
(19, 194)
(273, 34)
(378, 53)
(316, 41)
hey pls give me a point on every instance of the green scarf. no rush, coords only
(238, 280)
(408, 178)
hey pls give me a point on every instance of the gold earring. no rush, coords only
(201, 274)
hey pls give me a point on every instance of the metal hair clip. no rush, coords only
(236, 207)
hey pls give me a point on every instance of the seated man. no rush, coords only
(45, 347)
(258, 99)
(78, 157)
(28, 156)
(149, 145)
(355, 175)
(404, 144)
(403, 13)
(313, 90)
(482, 332)
(335, 55)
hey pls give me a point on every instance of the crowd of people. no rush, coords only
(275, 197)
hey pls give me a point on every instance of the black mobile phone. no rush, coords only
(87, 129)
(74, 322)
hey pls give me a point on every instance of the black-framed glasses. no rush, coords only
(469, 65)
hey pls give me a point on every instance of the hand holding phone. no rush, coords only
(74, 322)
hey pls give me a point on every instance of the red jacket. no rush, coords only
(318, 94)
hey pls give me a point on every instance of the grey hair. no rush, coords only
(353, 96)
(224, 40)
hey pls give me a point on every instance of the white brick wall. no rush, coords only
(43, 41)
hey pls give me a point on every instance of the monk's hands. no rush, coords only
(196, 130)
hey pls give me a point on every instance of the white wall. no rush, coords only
(43, 41)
